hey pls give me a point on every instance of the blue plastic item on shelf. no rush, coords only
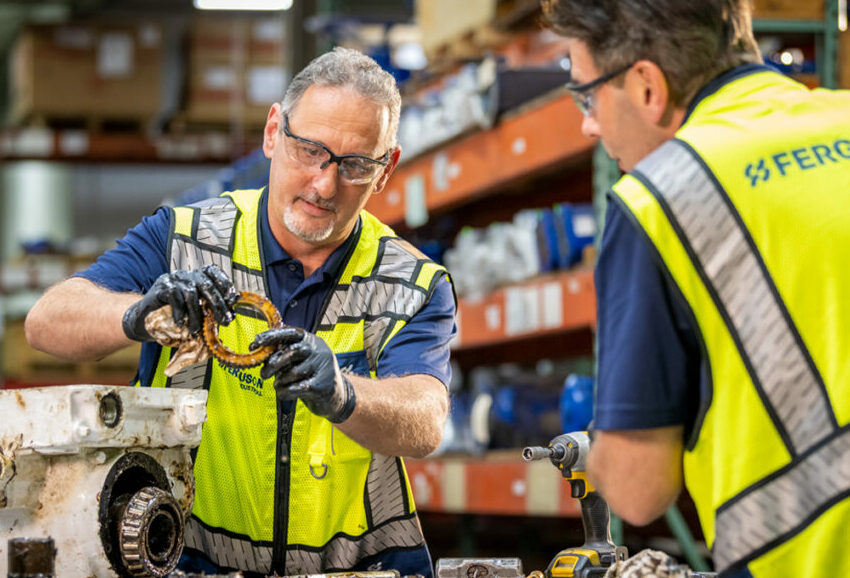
(523, 415)
(576, 403)
(547, 241)
(575, 225)
(457, 432)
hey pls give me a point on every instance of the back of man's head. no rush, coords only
(692, 41)
(348, 68)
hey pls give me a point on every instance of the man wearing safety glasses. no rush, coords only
(299, 468)
(722, 282)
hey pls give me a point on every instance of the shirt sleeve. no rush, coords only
(422, 345)
(650, 371)
(137, 260)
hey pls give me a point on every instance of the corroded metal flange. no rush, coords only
(226, 355)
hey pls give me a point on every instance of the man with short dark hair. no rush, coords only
(722, 282)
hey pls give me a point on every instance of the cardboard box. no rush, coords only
(236, 69)
(87, 71)
(445, 21)
(789, 9)
(843, 62)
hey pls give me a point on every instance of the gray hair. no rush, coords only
(692, 41)
(345, 67)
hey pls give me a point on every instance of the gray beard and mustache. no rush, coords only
(296, 226)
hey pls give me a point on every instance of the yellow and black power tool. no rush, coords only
(568, 452)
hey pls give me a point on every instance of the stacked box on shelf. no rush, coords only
(87, 72)
(444, 24)
(789, 9)
(236, 69)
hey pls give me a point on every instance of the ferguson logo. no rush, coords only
(797, 160)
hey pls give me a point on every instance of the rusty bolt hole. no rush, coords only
(110, 410)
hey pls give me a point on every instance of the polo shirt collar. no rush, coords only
(274, 253)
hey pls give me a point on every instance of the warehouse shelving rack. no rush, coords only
(824, 29)
(533, 143)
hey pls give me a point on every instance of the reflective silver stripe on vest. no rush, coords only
(216, 222)
(780, 368)
(214, 245)
(782, 506)
(187, 255)
(227, 551)
(384, 489)
(339, 554)
(376, 297)
(398, 260)
(191, 377)
(387, 295)
(375, 333)
(343, 552)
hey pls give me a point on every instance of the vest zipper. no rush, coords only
(285, 415)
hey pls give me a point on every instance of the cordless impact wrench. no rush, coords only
(568, 452)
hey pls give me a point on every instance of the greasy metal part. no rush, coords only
(226, 355)
(77, 463)
(7, 464)
(479, 568)
(356, 574)
(151, 533)
(130, 474)
(31, 558)
(350, 574)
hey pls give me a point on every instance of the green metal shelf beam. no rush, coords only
(768, 25)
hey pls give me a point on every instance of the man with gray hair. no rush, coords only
(299, 470)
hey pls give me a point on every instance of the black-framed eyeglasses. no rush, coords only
(355, 169)
(583, 93)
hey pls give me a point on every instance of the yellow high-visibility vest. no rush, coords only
(273, 488)
(748, 208)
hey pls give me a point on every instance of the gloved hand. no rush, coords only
(305, 368)
(186, 292)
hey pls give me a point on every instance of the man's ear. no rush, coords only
(649, 91)
(272, 130)
(381, 182)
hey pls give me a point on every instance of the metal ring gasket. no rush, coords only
(226, 355)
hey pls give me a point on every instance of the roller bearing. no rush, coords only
(151, 533)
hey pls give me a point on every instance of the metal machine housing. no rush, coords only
(105, 472)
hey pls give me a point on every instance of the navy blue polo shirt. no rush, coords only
(650, 368)
(420, 347)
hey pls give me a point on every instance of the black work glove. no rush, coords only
(186, 292)
(305, 368)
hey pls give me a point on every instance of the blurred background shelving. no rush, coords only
(113, 107)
